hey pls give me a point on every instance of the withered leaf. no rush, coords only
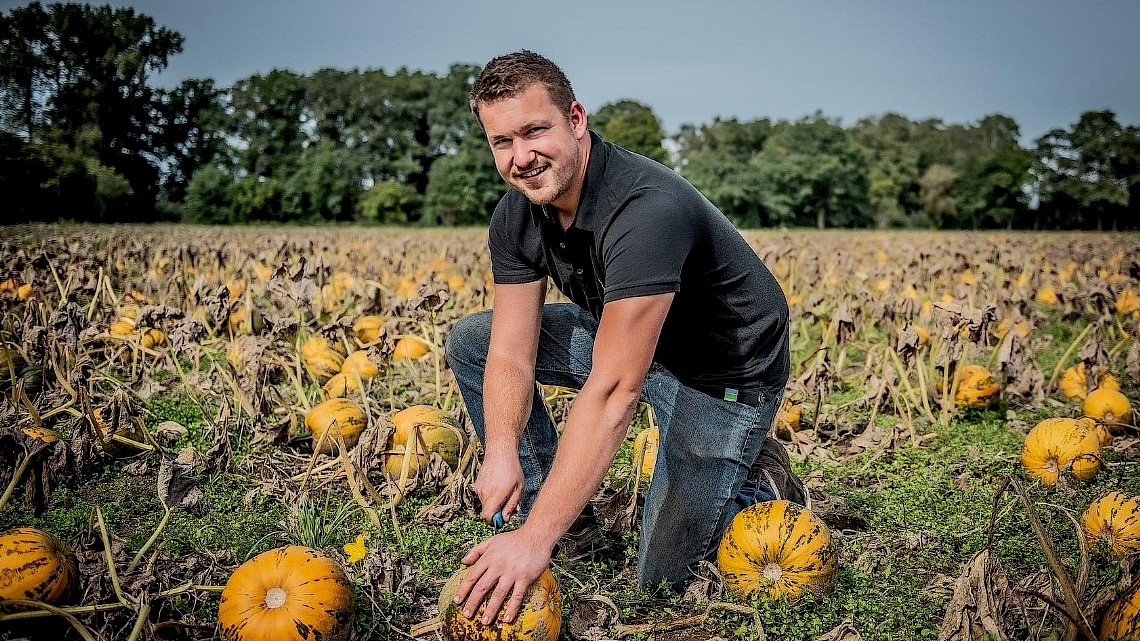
(179, 486)
(983, 603)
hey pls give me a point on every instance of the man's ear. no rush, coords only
(578, 118)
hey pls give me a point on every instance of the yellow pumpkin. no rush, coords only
(368, 328)
(410, 348)
(406, 287)
(153, 338)
(341, 385)
(1122, 619)
(645, 451)
(1061, 445)
(290, 593)
(539, 619)
(358, 363)
(976, 387)
(321, 358)
(788, 419)
(1107, 405)
(36, 565)
(1127, 301)
(435, 431)
(1074, 382)
(336, 416)
(122, 328)
(1047, 296)
(777, 549)
(1114, 520)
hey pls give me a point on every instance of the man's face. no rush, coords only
(537, 149)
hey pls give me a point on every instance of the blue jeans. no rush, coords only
(701, 476)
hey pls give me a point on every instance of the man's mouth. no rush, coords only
(527, 175)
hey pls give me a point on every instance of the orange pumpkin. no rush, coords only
(976, 387)
(1122, 619)
(1107, 405)
(338, 417)
(540, 618)
(777, 549)
(36, 565)
(1114, 520)
(1057, 446)
(410, 348)
(290, 593)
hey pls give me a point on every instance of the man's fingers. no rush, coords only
(518, 595)
(512, 504)
(495, 601)
(473, 555)
(473, 575)
(478, 592)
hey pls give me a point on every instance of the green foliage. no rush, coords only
(634, 126)
(812, 172)
(463, 188)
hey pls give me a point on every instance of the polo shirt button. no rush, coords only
(578, 271)
(562, 245)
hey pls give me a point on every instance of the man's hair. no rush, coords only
(509, 75)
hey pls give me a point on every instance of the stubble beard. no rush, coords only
(561, 176)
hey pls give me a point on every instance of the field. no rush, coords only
(175, 456)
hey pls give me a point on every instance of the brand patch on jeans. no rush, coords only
(730, 394)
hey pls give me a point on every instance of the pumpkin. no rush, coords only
(410, 348)
(1102, 433)
(976, 387)
(435, 431)
(777, 549)
(1061, 445)
(36, 565)
(1114, 520)
(336, 416)
(406, 287)
(1107, 405)
(289, 593)
(1047, 296)
(341, 385)
(368, 328)
(153, 338)
(539, 619)
(788, 419)
(122, 328)
(358, 363)
(245, 320)
(322, 359)
(1127, 301)
(645, 451)
(1074, 383)
(1122, 619)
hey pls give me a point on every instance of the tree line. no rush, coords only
(85, 136)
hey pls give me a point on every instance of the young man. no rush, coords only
(670, 305)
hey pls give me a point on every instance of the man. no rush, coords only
(670, 305)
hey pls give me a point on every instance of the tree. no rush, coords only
(463, 188)
(893, 168)
(634, 126)
(1084, 177)
(812, 172)
(716, 159)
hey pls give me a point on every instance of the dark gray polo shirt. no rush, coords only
(642, 229)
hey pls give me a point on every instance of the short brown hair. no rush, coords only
(509, 75)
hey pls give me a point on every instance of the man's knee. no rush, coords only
(468, 339)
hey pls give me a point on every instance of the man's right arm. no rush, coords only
(508, 392)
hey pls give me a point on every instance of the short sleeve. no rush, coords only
(515, 246)
(646, 245)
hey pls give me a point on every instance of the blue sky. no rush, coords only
(1042, 62)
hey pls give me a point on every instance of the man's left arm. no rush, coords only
(599, 419)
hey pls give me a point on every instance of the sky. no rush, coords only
(1042, 62)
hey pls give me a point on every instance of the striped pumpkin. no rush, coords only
(777, 549)
(338, 417)
(540, 618)
(1114, 520)
(36, 565)
(1122, 619)
(291, 593)
(1057, 446)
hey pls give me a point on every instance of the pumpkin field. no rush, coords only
(252, 433)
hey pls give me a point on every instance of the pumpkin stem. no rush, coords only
(275, 598)
(773, 571)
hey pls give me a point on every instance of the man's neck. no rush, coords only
(567, 206)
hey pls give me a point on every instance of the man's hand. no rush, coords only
(502, 565)
(499, 485)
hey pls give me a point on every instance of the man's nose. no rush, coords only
(524, 155)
